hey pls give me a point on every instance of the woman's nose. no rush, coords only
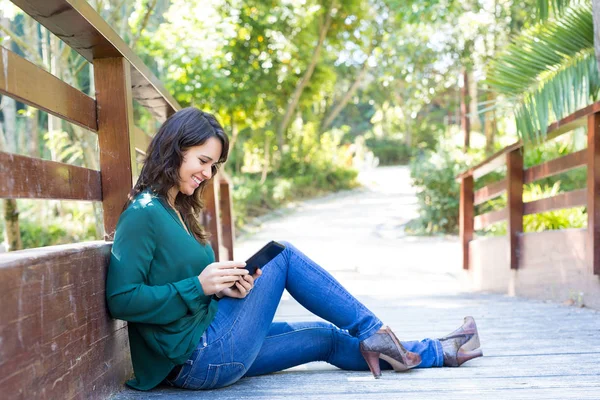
(207, 173)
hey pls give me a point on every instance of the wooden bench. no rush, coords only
(56, 338)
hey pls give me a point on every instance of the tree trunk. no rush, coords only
(293, 103)
(490, 126)
(464, 110)
(349, 93)
(12, 233)
(266, 162)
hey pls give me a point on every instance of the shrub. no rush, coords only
(389, 151)
(434, 175)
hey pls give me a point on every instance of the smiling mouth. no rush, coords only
(198, 181)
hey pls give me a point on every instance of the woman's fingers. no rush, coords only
(230, 264)
(257, 273)
(241, 288)
(247, 285)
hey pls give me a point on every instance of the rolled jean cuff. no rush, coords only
(439, 354)
(371, 331)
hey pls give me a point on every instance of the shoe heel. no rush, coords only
(372, 359)
(464, 356)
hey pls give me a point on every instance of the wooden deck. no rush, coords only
(532, 350)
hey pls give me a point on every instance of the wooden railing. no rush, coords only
(517, 176)
(56, 337)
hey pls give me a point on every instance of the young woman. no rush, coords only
(199, 324)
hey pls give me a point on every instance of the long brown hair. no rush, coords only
(186, 128)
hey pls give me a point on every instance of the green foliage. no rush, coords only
(434, 175)
(549, 70)
(575, 217)
(389, 151)
(252, 198)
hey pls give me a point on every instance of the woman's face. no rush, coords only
(197, 165)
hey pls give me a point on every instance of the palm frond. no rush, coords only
(550, 71)
(558, 8)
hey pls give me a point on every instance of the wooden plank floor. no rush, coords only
(532, 349)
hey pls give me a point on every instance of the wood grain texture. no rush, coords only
(30, 84)
(57, 340)
(211, 216)
(570, 199)
(77, 24)
(466, 217)
(567, 124)
(593, 197)
(227, 221)
(514, 176)
(490, 191)
(141, 140)
(32, 178)
(556, 166)
(115, 136)
(487, 219)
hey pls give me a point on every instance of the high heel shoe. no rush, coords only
(461, 345)
(385, 345)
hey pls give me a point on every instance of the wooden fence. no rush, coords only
(56, 338)
(517, 176)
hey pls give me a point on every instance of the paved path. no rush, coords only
(533, 350)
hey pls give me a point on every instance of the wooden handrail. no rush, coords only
(567, 124)
(77, 24)
(574, 198)
(489, 192)
(33, 178)
(30, 84)
(555, 166)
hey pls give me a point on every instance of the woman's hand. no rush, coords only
(220, 275)
(242, 287)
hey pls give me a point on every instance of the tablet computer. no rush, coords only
(264, 255)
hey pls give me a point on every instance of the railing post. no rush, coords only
(211, 216)
(514, 189)
(466, 216)
(593, 195)
(227, 223)
(115, 134)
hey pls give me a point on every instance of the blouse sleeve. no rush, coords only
(129, 297)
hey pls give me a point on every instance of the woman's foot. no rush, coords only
(385, 345)
(461, 345)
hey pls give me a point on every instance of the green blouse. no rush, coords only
(153, 283)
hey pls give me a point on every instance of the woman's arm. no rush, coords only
(129, 297)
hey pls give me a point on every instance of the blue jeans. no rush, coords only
(243, 340)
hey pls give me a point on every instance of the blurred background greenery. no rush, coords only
(311, 91)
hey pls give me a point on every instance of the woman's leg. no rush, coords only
(295, 343)
(240, 327)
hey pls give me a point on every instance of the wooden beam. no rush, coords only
(570, 199)
(593, 192)
(77, 24)
(556, 166)
(514, 176)
(211, 216)
(227, 221)
(28, 83)
(32, 178)
(487, 219)
(115, 135)
(555, 129)
(490, 191)
(466, 220)
(141, 140)
(492, 163)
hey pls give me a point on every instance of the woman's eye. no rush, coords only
(202, 161)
